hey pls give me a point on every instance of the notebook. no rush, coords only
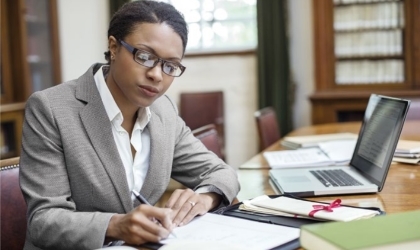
(378, 137)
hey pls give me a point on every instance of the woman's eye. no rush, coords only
(143, 56)
(171, 67)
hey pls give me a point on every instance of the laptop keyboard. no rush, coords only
(335, 178)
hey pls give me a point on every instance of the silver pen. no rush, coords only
(142, 200)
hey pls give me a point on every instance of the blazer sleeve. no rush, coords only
(53, 219)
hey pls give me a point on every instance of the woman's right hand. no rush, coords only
(140, 226)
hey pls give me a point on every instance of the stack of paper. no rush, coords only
(337, 152)
(407, 152)
(306, 208)
(295, 142)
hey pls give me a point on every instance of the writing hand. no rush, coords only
(137, 227)
(186, 204)
(143, 200)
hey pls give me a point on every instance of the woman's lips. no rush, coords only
(149, 91)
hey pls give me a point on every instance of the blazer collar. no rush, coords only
(98, 128)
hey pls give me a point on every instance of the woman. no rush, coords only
(88, 143)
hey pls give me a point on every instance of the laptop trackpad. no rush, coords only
(295, 178)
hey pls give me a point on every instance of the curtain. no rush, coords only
(274, 87)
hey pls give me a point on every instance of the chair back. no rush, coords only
(267, 125)
(202, 108)
(209, 137)
(414, 110)
(13, 206)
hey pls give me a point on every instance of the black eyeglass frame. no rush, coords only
(163, 61)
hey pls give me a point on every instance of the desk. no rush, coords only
(400, 193)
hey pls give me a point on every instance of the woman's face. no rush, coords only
(132, 84)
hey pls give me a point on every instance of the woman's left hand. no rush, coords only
(186, 204)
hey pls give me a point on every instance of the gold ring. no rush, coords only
(192, 203)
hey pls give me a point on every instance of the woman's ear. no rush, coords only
(113, 46)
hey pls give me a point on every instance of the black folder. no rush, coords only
(233, 210)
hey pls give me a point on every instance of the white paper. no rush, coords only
(415, 161)
(314, 140)
(405, 146)
(239, 233)
(339, 151)
(309, 157)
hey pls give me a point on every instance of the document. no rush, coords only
(295, 142)
(235, 232)
(339, 151)
(327, 153)
(415, 161)
(247, 206)
(310, 157)
(307, 208)
(407, 152)
(408, 147)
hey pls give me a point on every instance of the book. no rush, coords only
(331, 212)
(326, 154)
(405, 146)
(395, 231)
(295, 142)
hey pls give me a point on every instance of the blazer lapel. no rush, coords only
(156, 166)
(98, 128)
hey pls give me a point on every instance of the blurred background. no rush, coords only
(313, 61)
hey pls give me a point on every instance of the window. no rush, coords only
(219, 25)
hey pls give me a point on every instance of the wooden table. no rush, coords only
(400, 193)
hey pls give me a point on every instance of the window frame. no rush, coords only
(247, 49)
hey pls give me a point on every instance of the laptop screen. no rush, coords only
(378, 137)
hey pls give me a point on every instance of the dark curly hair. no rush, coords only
(145, 11)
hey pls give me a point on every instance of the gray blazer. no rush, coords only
(71, 174)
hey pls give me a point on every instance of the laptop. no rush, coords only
(378, 137)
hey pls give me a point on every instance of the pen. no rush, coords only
(142, 200)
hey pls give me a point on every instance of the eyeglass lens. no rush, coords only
(150, 60)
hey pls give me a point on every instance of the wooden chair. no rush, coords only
(267, 125)
(202, 108)
(414, 110)
(209, 137)
(13, 206)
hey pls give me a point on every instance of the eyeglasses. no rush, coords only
(150, 60)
